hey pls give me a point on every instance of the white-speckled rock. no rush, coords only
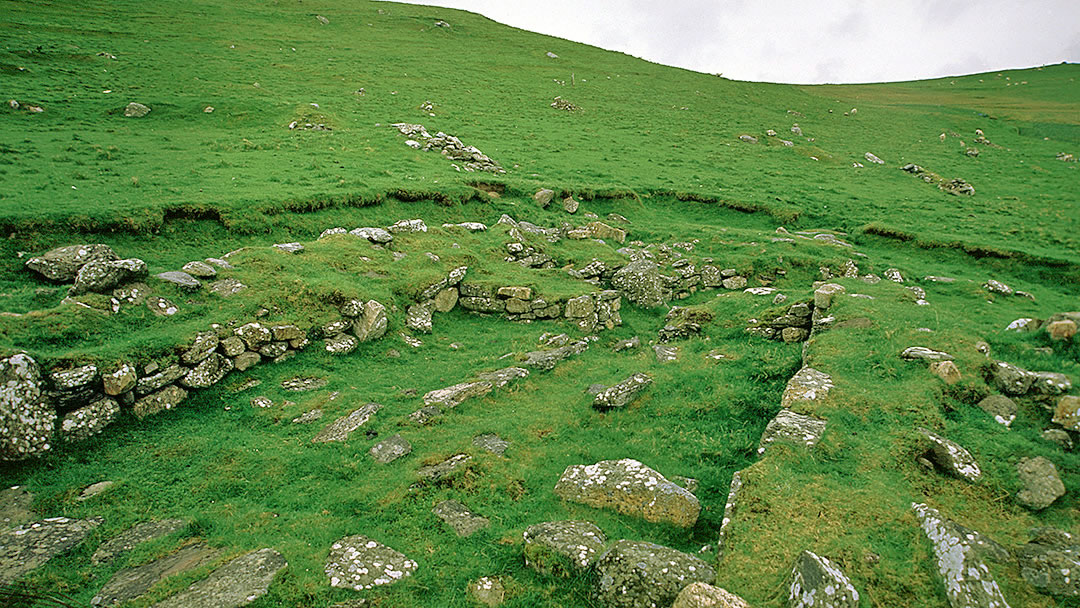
(816, 582)
(629, 487)
(968, 582)
(359, 563)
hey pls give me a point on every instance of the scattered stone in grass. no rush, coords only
(501, 377)
(487, 591)
(358, 563)
(134, 536)
(426, 414)
(63, 263)
(623, 393)
(340, 429)
(1067, 413)
(994, 286)
(131, 583)
(30, 545)
(946, 370)
(703, 595)
(238, 582)
(641, 574)
(181, 279)
(262, 402)
(390, 449)
(816, 581)
(873, 159)
(289, 247)
(666, 354)
(464, 522)
(951, 457)
(1000, 407)
(136, 110)
(95, 489)
(199, 269)
(562, 548)
(492, 443)
(15, 507)
(1041, 483)
(444, 469)
(226, 287)
(792, 427)
(959, 553)
(161, 307)
(629, 487)
(914, 353)
(627, 344)
(308, 417)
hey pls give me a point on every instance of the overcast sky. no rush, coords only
(809, 41)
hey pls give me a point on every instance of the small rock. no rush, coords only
(488, 591)
(444, 469)
(358, 563)
(561, 548)
(181, 279)
(289, 247)
(492, 443)
(391, 449)
(1042, 486)
(1000, 407)
(543, 197)
(946, 370)
(456, 515)
(136, 110)
(340, 429)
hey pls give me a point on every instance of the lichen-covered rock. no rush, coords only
(968, 582)
(165, 399)
(180, 279)
(640, 282)
(452, 396)
(729, 513)
(131, 583)
(246, 360)
(406, 226)
(1067, 413)
(226, 287)
(1049, 383)
(149, 384)
(103, 276)
(561, 548)
(89, 420)
(1010, 379)
(492, 443)
(1000, 407)
(501, 377)
(442, 470)
(199, 269)
(418, 318)
(645, 575)
(208, 372)
(120, 380)
(74, 387)
(205, 343)
(914, 353)
(631, 488)
(358, 562)
(389, 450)
(237, 583)
(134, 536)
(600, 230)
(789, 426)
(487, 591)
(63, 263)
(1042, 485)
(372, 324)
(464, 522)
(817, 582)
(26, 421)
(807, 385)
(254, 335)
(950, 457)
(1050, 563)
(446, 299)
(26, 547)
(703, 595)
(825, 295)
(340, 429)
(622, 393)
(543, 197)
(375, 235)
(341, 344)
(547, 359)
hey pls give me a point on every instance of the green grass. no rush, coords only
(655, 144)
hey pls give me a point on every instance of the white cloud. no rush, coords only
(809, 42)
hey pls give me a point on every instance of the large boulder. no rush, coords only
(1050, 561)
(63, 263)
(26, 421)
(562, 548)
(640, 282)
(26, 547)
(1042, 485)
(237, 583)
(644, 575)
(631, 488)
(816, 581)
(104, 276)
(704, 595)
(960, 553)
(358, 563)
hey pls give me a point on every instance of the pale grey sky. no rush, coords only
(809, 41)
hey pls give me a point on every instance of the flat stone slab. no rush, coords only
(623, 393)
(132, 583)
(340, 429)
(492, 443)
(391, 449)
(629, 487)
(444, 469)
(967, 579)
(562, 547)
(1050, 561)
(302, 383)
(237, 583)
(134, 536)
(501, 377)
(808, 384)
(666, 354)
(915, 353)
(358, 562)
(791, 427)
(456, 515)
(180, 279)
(547, 359)
(645, 575)
(28, 546)
(816, 581)
(452, 396)
(15, 507)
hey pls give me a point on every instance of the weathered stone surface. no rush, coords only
(28, 546)
(149, 384)
(358, 562)
(246, 360)
(729, 513)
(543, 197)
(946, 370)
(426, 414)
(63, 263)
(644, 575)
(1000, 407)
(666, 354)
(87, 421)
(15, 508)
(254, 335)
(199, 269)
(1010, 379)
(703, 595)
(226, 287)
(26, 421)
(492, 443)
(631, 488)
(600, 230)
(817, 582)
(340, 429)
(237, 583)
(561, 548)
(825, 295)
(501, 377)
(789, 426)
(134, 536)
(375, 235)
(165, 399)
(406, 226)
(950, 457)
(131, 583)
(372, 325)
(293, 247)
(446, 300)
(1067, 413)
(1064, 329)
(1050, 562)
(1042, 485)
(487, 591)
(103, 276)
(341, 344)
(640, 282)
(95, 489)
(808, 385)
(389, 450)
(275, 349)
(301, 384)
(464, 522)
(208, 372)
(136, 110)
(418, 318)
(181, 279)
(623, 393)
(205, 343)
(161, 307)
(968, 582)
(547, 359)
(1049, 383)
(452, 396)
(444, 469)
(282, 333)
(734, 283)
(914, 353)
(627, 344)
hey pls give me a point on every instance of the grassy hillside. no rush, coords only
(657, 145)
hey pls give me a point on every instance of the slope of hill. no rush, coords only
(713, 211)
